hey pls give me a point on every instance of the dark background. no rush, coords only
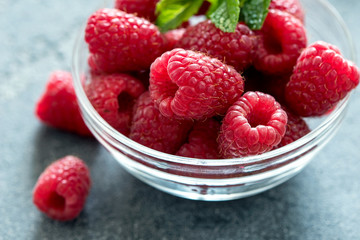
(36, 37)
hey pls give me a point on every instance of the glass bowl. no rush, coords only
(222, 179)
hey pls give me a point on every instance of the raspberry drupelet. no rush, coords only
(280, 42)
(189, 85)
(62, 189)
(235, 49)
(120, 42)
(113, 97)
(254, 124)
(321, 78)
(150, 128)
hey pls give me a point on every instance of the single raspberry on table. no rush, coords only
(150, 128)
(120, 42)
(293, 7)
(320, 79)
(235, 49)
(280, 42)
(202, 141)
(189, 85)
(62, 189)
(296, 128)
(140, 8)
(113, 97)
(253, 125)
(58, 107)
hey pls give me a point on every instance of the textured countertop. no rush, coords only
(36, 37)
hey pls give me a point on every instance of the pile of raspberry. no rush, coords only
(194, 91)
(199, 92)
(202, 93)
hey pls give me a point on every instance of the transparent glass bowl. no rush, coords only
(222, 179)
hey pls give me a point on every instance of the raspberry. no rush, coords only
(321, 78)
(150, 128)
(280, 42)
(235, 49)
(202, 141)
(58, 107)
(253, 125)
(140, 8)
(296, 128)
(173, 36)
(190, 85)
(61, 190)
(291, 6)
(113, 97)
(122, 42)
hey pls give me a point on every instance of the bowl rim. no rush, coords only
(248, 160)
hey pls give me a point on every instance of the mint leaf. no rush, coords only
(171, 13)
(254, 12)
(226, 15)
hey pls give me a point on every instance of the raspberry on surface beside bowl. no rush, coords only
(62, 189)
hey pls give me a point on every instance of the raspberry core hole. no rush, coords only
(171, 89)
(56, 201)
(272, 44)
(258, 118)
(125, 101)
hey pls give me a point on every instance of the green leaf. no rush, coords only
(254, 12)
(226, 15)
(172, 13)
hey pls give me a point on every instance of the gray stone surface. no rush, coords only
(36, 37)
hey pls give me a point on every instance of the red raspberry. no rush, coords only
(62, 188)
(58, 107)
(190, 85)
(150, 128)
(321, 78)
(122, 42)
(202, 141)
(173, 36)
(140, 8)
(293, 7)
(253, 125)
(280, 42)
(296, 128)
(113, 97)
(235, 49)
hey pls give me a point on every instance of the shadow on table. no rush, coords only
(52, 144)
(122, 207)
